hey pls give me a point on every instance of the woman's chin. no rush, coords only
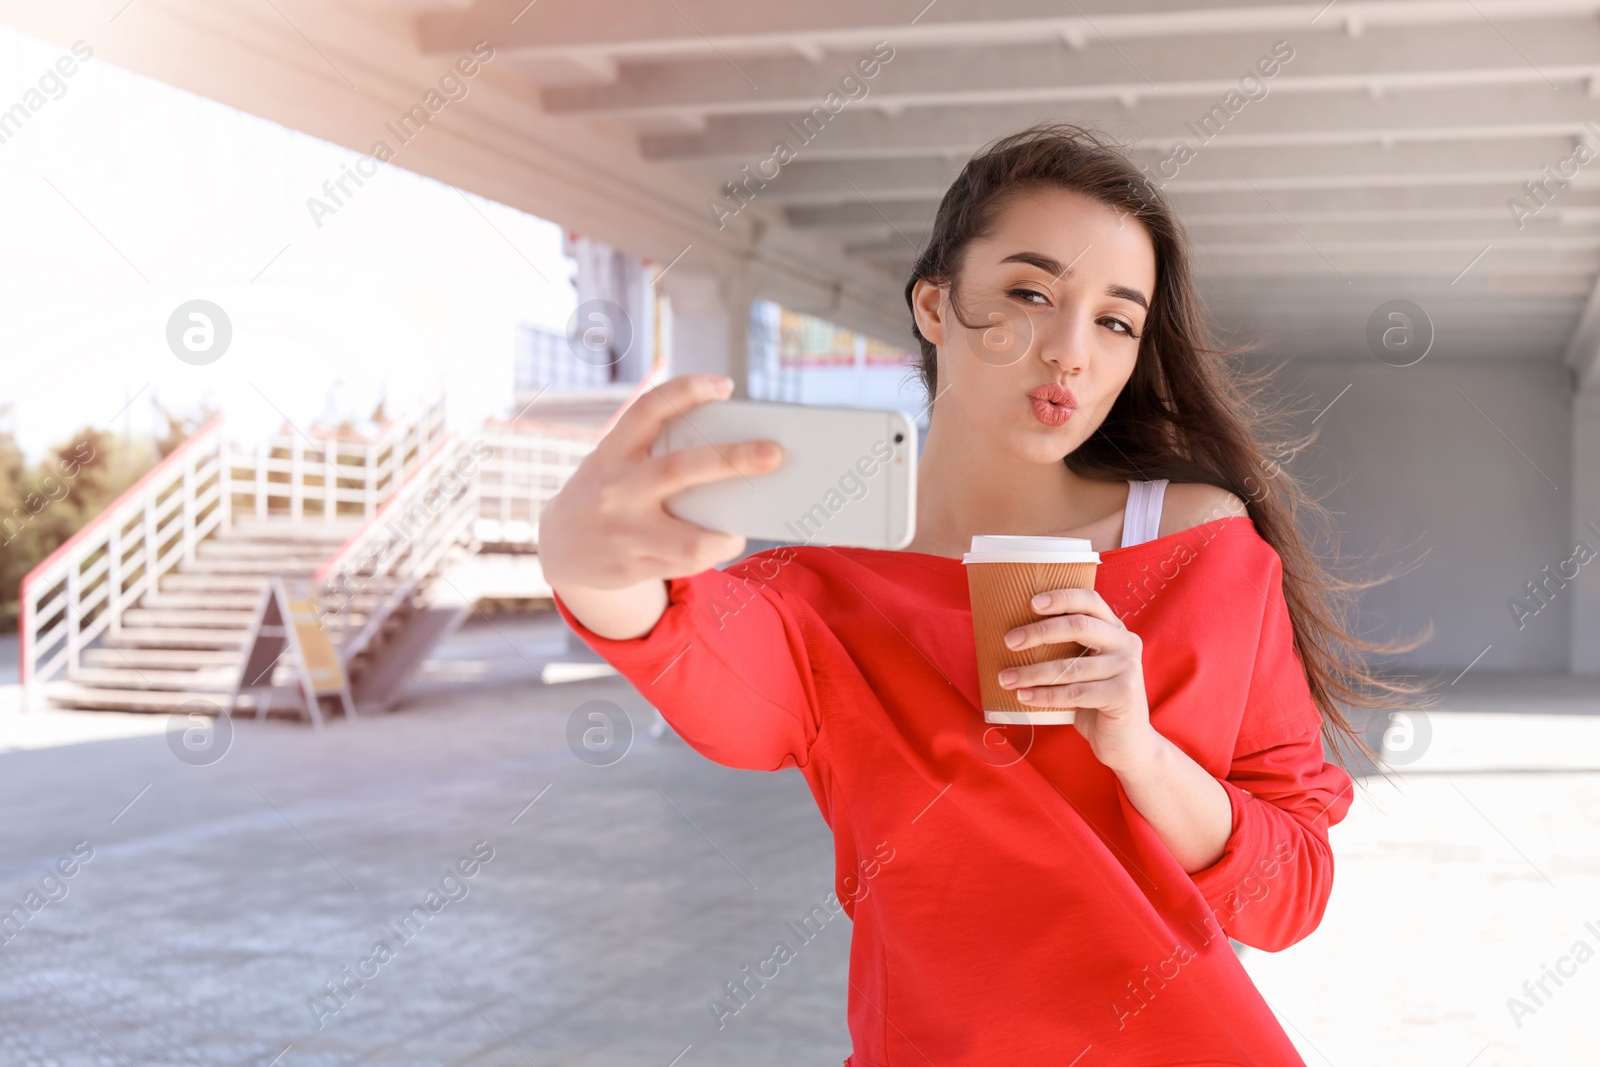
(1043, 444)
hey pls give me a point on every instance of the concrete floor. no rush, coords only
(221, 896)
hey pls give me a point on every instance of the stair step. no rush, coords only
(268, 543)
(245, 602)
(179, 618)
(288, 530)
(68, 694)
(210, 598)
(211, 679)
(241, 549)
(297, 565)
(174, 637)
(161, 658)
(181, 582)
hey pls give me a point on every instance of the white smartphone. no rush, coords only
(848, 475)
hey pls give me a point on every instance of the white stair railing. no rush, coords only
(401, 546)
(527, 464)
(82, 588)
(330, 475)
(529, 461)
(421, 492)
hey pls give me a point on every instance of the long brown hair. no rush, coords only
(1189, 413)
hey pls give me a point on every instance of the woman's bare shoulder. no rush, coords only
(1187, 504)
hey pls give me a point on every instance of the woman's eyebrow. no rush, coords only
(1049, 264)
(1128, 294)
(1052, 266)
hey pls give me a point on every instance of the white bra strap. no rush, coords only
(1141, 520)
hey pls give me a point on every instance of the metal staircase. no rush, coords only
(148, 606)
(182, 642)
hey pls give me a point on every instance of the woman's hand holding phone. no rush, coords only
(606, 541)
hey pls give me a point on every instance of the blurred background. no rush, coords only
(341, 292)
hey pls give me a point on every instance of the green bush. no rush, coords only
(43, 505)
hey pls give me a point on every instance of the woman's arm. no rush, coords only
(717, 652)
(726, 663)
(619, 614)
(1186, 807)
(1260, 856)
(1183, 803)
(1273, 882)
(607, 538)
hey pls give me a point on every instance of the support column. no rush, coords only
(1585, 649)
(710, 326)
(737, 296)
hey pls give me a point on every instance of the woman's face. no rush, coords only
(1058, 296)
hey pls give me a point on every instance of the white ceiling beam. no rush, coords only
(1277, 230)
(1205, 227)
(1422, 115)
(1309, 272)
(1467, 163)
(1401, 204)
(711, 29)
(793, 196)
(1454, 250)
(1207, 67)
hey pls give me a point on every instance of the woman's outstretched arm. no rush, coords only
(606, 540)
(726, 663)
(717, 652)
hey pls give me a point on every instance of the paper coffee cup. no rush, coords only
(1004, 574)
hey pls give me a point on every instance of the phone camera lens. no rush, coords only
(899, 437)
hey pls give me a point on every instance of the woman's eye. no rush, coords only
(1029, 292)
(1126, 330)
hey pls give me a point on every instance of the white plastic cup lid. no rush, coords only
(1007, 548)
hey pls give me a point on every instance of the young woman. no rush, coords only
(1060, 894)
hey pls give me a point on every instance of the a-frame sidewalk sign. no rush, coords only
(288, 626)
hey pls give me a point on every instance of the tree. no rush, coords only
(42, 506)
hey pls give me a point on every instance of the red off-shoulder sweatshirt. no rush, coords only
(1010, 906)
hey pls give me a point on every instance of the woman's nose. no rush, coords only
(1063, 339)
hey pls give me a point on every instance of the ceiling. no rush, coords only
(1376, 163)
